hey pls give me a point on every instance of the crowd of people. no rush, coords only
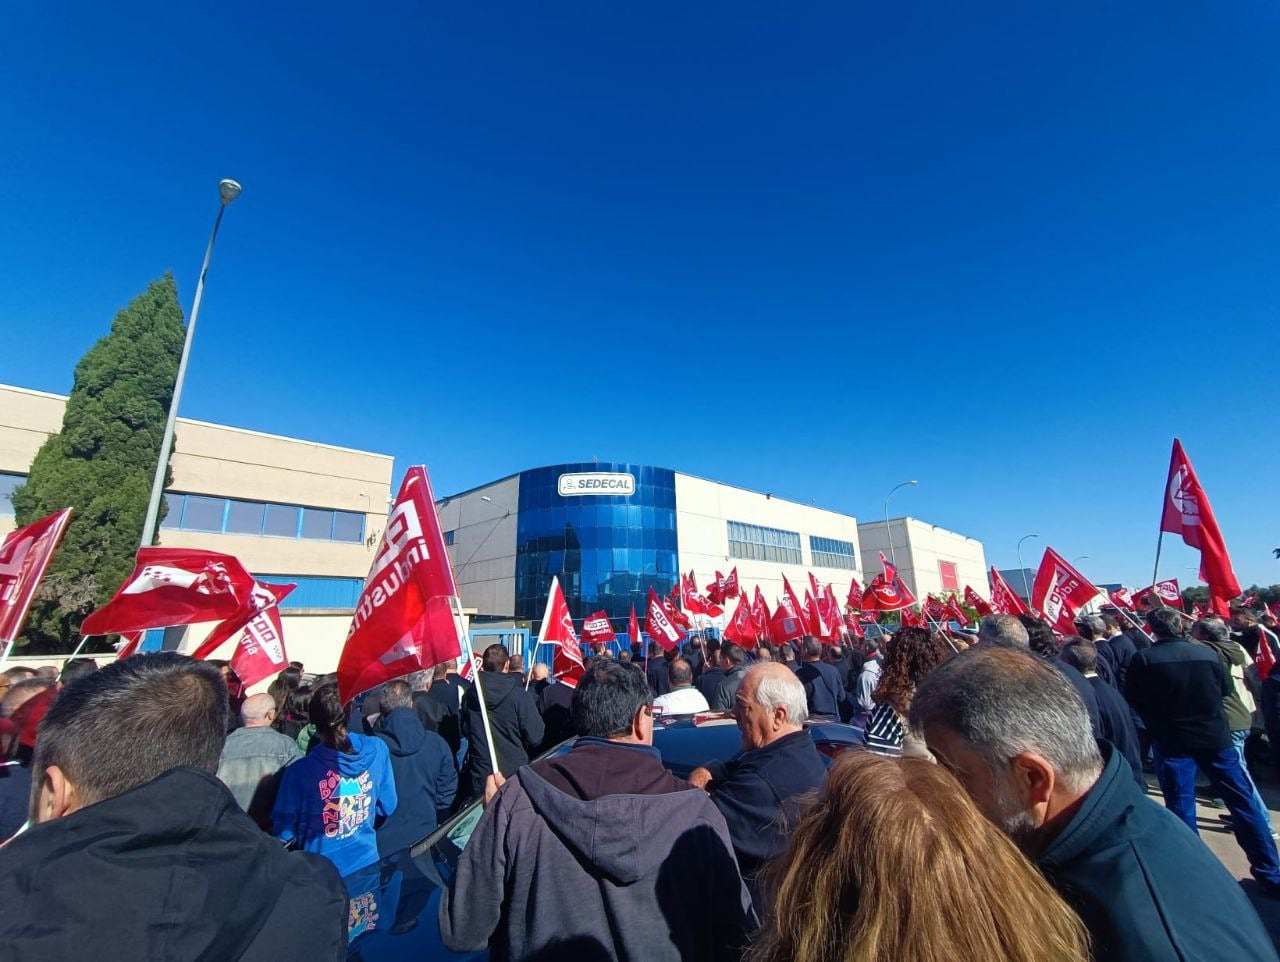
(998, 808)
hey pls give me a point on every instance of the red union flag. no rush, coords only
(405, 619)
(262, 598)
(784, 625)
(731, 588)
(829, 608)
(260, 653)
(813, 624)
(694, 602)
(633, 627)
(956, 613)
(852, 623)
(977, 602)
(1167, 591)
(1121, 598)
(24, 556)
(760, 612)
(596, 627)
(657, 625)
(1003, 598)
(1187, 513)
(1060, 591)
(557, 626)
(934, 609)
(855, 595)
(174, 586)
(909, 619)
(740, 629)
(885, 595)
(715, 590)
(789, 601)
(675, 615)
(890, 569)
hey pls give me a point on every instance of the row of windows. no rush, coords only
(756, 543)
(197, 512)
(831, 553)
(598, 515)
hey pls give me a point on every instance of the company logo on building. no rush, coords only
(573, 485)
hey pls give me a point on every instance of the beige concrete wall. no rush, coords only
(223, 461)
(918, 547)
(483, 554)
(702, 510)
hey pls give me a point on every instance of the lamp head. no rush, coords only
(229, 190)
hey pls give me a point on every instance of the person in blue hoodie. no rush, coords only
(422, 763)
(329, 800)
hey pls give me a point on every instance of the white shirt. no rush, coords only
(681, 701)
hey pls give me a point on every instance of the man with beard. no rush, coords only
(1016, 734)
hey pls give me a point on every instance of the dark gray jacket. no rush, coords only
(559, 869)
(727, 691)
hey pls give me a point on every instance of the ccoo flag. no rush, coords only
(1060, 591)
(24, 556)
(977, 602)
(596, 628)
(1187, 513)
(741, 629)
(262, 598)
(1003, 598)
(657, 625)
(405, 619)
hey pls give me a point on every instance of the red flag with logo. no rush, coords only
(263, 597)
(658, 625)
(557, 625)
(889, 568)
(1187, 513)
(1121, 598)
(1265, 659)
(829, 609)
(785, 625)
(790, 602)
(715, 590)
(675, 615)
(933, 609)
(633, 628)
(260, 653)
(760, 613)
(855, 595)
(405, 620)
(1060, 591)
(854, 625)
(174, 586)
(741, 629)
(812, 620)
(1003, 598)
(956, 613)
(596, 628)
(1199, 611)
(977, 602)
(24, 556)
(1167, 591)
(883, 595)
(909, 619)
(1248, 601)
(731, 588)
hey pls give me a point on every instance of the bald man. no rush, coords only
(779, 762)
(254, 756)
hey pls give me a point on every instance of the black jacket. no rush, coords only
(708, 682)
(1119, 651)
(444, 697)
(1146, 888)
(658, 676)
(1117, 726)
(755, 791)
(1177, 687)
(1084, 690)
(171, 870)
(426, 780)
(517, 727)
(823, 688)
(727, 691)
(555, 704)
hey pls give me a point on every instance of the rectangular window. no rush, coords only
(947, 571)
(282, 521)
(830, 553)
(173, 510)
(317, 524)
(245, 517)
(449, 536)
(203, 514)
(753, 542)
(348, 526)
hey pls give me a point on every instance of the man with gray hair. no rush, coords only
(1016, 735)
(425, 777)
(1002, 629)
(779, 763)
(253, 758)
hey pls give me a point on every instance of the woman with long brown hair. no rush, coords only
(910, 655)
(895, 862)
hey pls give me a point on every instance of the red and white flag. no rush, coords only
(406, 618)
(1265, 659)
(829, 609)
(1121, 598)
(760, 613)
(784, 624)
(1060, 591)
(855, 595)
(731, 588)
(790, 602)
(715, 589)
(675, 615)
(24, 556)
(854, 625)
(557, 625)
(262, 598)
(174, 586)
(1167, 591)
(956, 613)
(128, 644)
(885, 595)
(658, 626)
(1003, 598)
(889, 568)
(596, 628)
(909, 619)
(1187, 513)
(933, 609)
(741, 630)
(260, 653)
(695, 602)
(977, 602)
(633, 628)
(813, 624)
(1248, 601)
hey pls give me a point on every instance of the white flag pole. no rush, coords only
(455, 606)
(542, 629)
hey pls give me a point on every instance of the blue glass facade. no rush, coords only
(607, 550)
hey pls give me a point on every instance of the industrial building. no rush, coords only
(931, 560)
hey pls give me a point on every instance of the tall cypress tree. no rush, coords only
(101, 463)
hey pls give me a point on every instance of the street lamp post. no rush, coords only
(1022, 567)
(887, 530)
(228, 190)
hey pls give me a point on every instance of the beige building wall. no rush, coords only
(482, 524)
(703, 509)
(919, 547)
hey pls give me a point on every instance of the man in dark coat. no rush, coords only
(1113, 710)
(733, 658)
(600, 853)
(422, 765)
(517, 726)
(779, 762)
(442, 703)
(1013, 731)
(1177, 687)
(139, 852)
(712, 673)
(656, 670)
(555, 705)
(823, 684)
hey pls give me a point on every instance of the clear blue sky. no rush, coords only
(813, 249)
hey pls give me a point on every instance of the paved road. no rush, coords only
(1219, 838)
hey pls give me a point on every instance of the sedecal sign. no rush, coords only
(575, 485)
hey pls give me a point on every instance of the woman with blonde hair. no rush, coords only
(895, 862)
